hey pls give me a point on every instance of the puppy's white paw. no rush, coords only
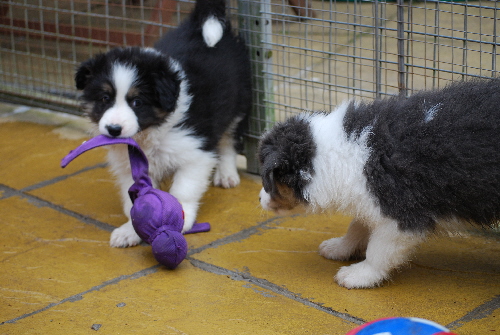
(124, 236)
(336, 249)
(360, 275)
(226, 177)
(190, 212)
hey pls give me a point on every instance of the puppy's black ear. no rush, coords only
(268, 166)
(168, 86)
(87, 70)
(83, 74)
(279, 169)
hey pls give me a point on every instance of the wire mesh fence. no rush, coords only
(306, 54)
(43, 41)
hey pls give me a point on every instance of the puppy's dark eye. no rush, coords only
(105, 98)
(137, 103)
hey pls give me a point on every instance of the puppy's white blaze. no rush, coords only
(339, 182)
(123, 78)
(120, 113)
(212, 31)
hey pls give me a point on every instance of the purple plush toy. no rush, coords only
(156, 215)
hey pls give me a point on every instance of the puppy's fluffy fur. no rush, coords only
(182, 101)
(402, 167)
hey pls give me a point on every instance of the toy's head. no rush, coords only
(157, 216)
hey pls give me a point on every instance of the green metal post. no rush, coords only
(256, 28)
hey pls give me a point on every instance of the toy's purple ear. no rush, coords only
(98, 141)
(138, 160)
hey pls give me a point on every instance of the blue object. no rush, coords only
(400, 326)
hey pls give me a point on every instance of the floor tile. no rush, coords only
(31, 153)
(188, 301)
(286, 253)
(48, 256)
(91, 193)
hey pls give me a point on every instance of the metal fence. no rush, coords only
(306, 54)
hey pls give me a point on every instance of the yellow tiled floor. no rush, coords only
(253, 273)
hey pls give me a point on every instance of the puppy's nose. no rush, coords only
(114, 129)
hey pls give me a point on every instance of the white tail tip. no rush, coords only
(212, 31)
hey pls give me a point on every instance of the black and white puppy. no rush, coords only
(183, 102)
(402, 167)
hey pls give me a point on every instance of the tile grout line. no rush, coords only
(10, 192)
(480, 312)
(44, 203)
(79, 296)
(238, 236)
(53, 180)
(265, 284)
(63, 177)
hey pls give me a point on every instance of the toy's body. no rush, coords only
(156, 215)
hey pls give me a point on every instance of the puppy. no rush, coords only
(184, 102)
(402, 167)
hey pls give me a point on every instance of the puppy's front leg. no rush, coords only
(388, 248)
(351, 245)
(125, 235)
(189, 184)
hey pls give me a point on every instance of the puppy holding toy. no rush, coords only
(183, 102)
(402, 167)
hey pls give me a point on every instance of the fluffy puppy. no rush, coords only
(182, 101)
(402, 167)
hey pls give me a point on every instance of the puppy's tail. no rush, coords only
(210, 16)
